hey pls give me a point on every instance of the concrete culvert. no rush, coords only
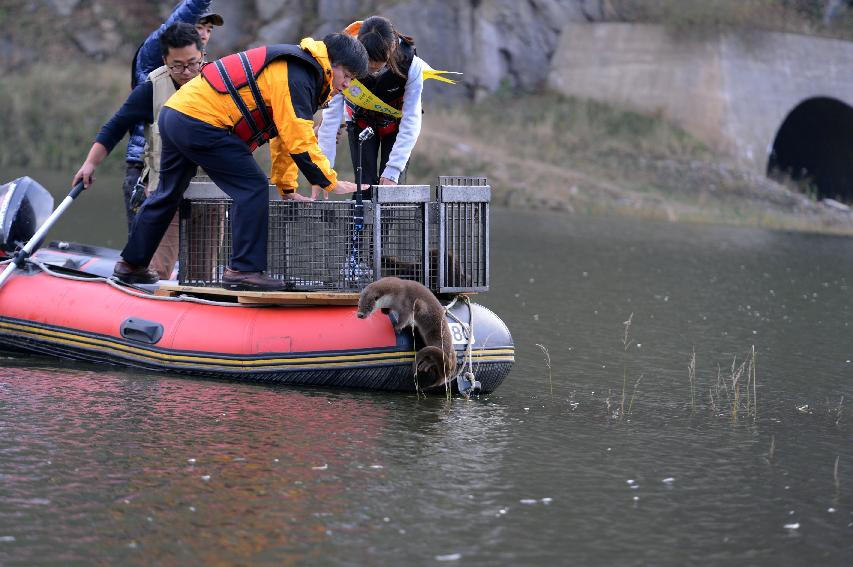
(814, 145)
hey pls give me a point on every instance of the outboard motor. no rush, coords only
(24, 206)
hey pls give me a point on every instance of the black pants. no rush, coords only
(131, 176)
(374, 151)
(188, 143)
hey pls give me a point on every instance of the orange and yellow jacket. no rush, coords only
(292, 92)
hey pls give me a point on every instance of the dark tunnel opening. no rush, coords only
(814, 146)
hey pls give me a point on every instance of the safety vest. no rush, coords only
(233, 72)
(389, 88)
(164, 87)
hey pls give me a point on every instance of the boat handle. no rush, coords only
(141, 330)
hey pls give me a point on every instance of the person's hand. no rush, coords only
(85, 173)
(340, 133)
(295, 197)
(344, 188)
(318, 192)
(386, 181)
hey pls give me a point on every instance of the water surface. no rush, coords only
(104, 465)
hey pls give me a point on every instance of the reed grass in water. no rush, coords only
(691, 376)
(548, 365)
(741, 397)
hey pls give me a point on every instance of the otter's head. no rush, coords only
(378, 295)
(366, 303)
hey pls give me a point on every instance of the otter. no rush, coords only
(415, 306)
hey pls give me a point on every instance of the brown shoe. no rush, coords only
(250, 281)
(132, 274)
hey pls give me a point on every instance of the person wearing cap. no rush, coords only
(148, 58)
(205, 24)
(215, 121)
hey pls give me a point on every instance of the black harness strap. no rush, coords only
(259, 100)
(238, 100)
(253, 86)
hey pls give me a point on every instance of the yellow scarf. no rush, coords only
(359, 95)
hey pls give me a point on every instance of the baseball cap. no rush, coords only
(212, 18)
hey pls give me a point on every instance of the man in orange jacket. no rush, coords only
(218, 119)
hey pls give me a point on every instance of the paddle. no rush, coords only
(21, 256)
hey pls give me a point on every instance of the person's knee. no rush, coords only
(260, 179)
(257, 187)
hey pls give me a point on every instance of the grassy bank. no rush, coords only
(538, 151)
(692, 17)
(53, 113)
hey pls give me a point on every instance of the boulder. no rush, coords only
(282, 30)
(64, 8)
(268, 10)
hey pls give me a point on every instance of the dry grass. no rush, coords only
(546, 151)
(835, 473)
(540, 151)
(691, 376)
(548, 365)
(627, 342)
(692, 17)
(52, 114)
(736, 394)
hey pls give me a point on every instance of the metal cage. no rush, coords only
(314, 246)
(401, 222)
(460, 235)
(311, 246)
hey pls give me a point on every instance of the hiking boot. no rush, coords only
(131, 274)
(250, 281)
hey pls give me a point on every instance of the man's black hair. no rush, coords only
(347, 51)
(179, 34)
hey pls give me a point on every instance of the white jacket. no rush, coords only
(410, 123)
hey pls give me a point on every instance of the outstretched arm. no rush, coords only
(137, 108)
(97, 153)
(294, 102)
(410, 124)
(327, 134)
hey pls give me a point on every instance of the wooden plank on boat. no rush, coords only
(299, 298)
(264, 297)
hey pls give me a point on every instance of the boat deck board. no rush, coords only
(263, 297)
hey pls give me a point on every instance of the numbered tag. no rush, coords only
(458, 334)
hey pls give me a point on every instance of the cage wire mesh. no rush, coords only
(314, 246)
(311, 246)
(402, 240)
(460, 235)
(205, 241)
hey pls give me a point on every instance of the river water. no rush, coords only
(602, 447)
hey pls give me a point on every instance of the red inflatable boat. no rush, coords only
(60, 301)
(61, 304)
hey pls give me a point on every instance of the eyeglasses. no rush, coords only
(178, 68)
